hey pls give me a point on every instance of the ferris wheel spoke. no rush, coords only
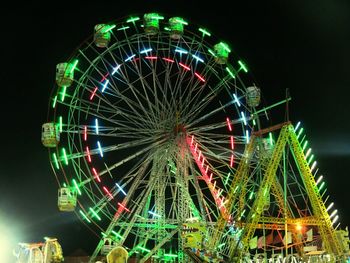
(131, 87)
(140, 91)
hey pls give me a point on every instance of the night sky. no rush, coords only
(300, 46)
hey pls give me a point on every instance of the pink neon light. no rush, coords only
(199, 76)
(184, 66)
(192, 140)
(229, 124)
(169, 60)
(104, 77)
(93, 93)
(206, 178)
(231, 161)
(96, 175)
(203, 162)
(107, 192)
(232, 143)
(151, 57)
(123, 207)
(199, 155)
(85, 133)
(88, 154)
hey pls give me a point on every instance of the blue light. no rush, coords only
(129, 58)
(146, 50)
(243, 118)
(236, 100)
(247, 136)
(105, 85)
(181, 51)
(154, 214)
(198, 58)
(121, 189)
(100, 148)
(96, 126)
(116, 69)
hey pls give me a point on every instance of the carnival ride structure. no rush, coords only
(160, 143)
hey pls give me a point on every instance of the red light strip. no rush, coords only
(104, 77)
(153, 58)
(93, 93)
(96, 174)
(88, 154)
(232, 143)
(229, 124)
(85, 133)
(123, 207)
(199, 76)
(205, 177)
(108, 192)
(168, 60)
(184, 66)
(232, 160)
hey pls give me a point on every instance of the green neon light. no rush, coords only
(321, 186)
(95, 214)
(181, 21)
(132, 19)
(167, 29)
(251, 195)
(170, 255)
(300, 132)
(109, 28)
(76, 186)
(63, 93)
(305, 145)
(84, 216)
(64, 185)
(54, 102)
(230, 72)
(123, 28)
(65, 156)
(143, 249)
(235, 189)
(308, 153)
(228, 176)
(271, 139)
(242, 212)
(254, 122)
(243, 66)
(60, 123)
(204, 32)
(311, 158)
(74, 65)
(156, 16)
(225, 46)
(56, 161)
(116, 234)
(212, 52)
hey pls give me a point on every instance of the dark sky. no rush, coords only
(302, 46)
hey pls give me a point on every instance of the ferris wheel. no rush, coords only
(148, 121)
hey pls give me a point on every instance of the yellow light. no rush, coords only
(299, 227)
